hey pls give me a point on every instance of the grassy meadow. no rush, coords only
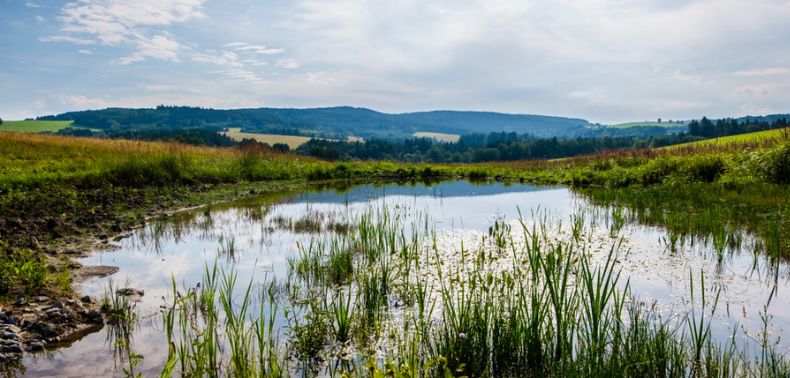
(525, 319)
(34, 126)
(750, 139)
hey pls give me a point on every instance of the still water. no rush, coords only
(256, 238)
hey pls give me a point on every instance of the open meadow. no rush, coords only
(354, 279)
(34, 126)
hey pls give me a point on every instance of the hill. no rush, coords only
(756, 138)
(334, 122)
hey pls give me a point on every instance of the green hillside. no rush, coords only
(34, 126)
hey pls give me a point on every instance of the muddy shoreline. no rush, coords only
(53, 319)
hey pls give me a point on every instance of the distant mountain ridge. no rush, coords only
(328, 122)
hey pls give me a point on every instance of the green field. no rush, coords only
(452, 138)
(741, 139)
(646, 124)
(32, 126)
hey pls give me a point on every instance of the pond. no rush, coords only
(263, 240)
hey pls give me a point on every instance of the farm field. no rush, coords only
(646, 123)
(293, 141)
(34, 126)
(438, 136)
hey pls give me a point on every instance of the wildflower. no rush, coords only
(462, 336)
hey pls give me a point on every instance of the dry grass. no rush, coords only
(452, 138)
(293, 141)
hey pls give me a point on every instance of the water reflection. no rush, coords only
(261, 237)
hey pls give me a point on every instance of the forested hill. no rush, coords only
(325, 122)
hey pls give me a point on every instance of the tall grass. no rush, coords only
(518, 304)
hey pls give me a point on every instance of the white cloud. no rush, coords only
(223, 58)
(157, 47)
(85, 51)
(31, 4)
(240, 75)
(128, 22)
(605, 60)
(288, 64)
(251, 48)
(40, 18)
(82, 102)
(65, 38)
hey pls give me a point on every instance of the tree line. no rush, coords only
(730, 126)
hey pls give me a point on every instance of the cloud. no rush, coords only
(31, 4)
(223, 58)
(605, 60)
(135, 23)
(82, 102)
(65, 38)
(85, 51)
(157, 47)
(240, 75)
(770, 71)
(251, 48)
(288, 64)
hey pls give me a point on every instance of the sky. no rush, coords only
(603, 60)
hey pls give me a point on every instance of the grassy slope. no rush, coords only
(30, 126)
(769, 136)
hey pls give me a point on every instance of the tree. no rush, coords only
(281, 147)
(1, 121)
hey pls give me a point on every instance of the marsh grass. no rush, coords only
(518, 304)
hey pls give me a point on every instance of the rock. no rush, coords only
(20, 301)
(56, 304)
(34, 346)
(13, 328)
(91, 316)
(10, 336)
(11, 348)
(45, 330)
(28, 322)
(41, 299)
(12, 320)
(52, 310)
(86, 299)
(129, 291)
(97, 271)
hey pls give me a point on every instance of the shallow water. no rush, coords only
(180, 247)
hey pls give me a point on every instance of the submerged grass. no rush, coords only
(517, 304)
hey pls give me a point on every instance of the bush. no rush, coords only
(774, 165)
